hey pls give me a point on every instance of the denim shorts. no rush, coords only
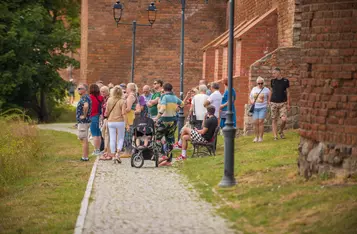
(259, 113)
(94, 126)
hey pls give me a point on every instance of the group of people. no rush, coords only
(109, 113)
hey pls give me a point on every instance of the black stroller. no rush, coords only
(144, 142)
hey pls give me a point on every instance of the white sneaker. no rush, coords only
(260, 139)
(255, 140)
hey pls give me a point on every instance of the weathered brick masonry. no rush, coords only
(328, 105)
(108, 47)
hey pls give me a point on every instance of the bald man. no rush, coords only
(147, 94)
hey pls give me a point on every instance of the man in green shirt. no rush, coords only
(152, 104)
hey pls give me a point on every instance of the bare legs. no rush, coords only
(259, 129)
(85, 148)
(96, 142)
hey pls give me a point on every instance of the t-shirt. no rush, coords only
(79, 111)
(198, 103)
(153, 109)
(97, 102)
(279, 90)
(262, 100)
(216, 99)
(115, 108)
(210, 123)
(171, 102)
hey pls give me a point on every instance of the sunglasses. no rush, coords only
(260, 83)
(155, 83)
(80, 88)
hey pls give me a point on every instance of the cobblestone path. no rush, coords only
(147, 200)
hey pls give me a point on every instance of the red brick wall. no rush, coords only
(157, 48)
(328, 104)
(247, 9)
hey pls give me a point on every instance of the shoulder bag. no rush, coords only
(251, 110)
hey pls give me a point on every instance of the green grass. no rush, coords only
(270, 196)
(48, 199)
(63, 113)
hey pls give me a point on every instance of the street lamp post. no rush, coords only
(118, 12)
(229, 131)
(181, 116)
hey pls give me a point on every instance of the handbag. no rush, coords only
(251, 109)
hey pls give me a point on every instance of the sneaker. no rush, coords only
(275, 138)
(163, 158)
(84, 159)
(181, 158)
(282, 136)
(177, 146)
(260, 139)
(255, 140)
(96, 153)
(165, 163)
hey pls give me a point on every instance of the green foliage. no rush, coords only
(48, 198)
(34, 41)
(19, 148)
(63, 113)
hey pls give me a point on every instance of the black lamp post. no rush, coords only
(229, 131)
(118, 12)
(181, 117)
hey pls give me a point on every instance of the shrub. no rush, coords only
(63, 113)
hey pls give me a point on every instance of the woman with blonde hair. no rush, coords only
(131, 103)
(115, 112)
(260, 98)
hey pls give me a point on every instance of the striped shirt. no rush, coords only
(171, 102)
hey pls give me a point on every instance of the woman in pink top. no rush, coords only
(97, 102)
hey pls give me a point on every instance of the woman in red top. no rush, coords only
(97, 102)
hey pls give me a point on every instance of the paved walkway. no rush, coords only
(146, 200)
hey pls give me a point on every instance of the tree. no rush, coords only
(35, 37)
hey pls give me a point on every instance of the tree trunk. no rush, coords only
(43, 115)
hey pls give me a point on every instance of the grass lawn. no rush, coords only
(270, 196)
(48, 199)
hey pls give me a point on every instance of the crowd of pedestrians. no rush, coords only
(109, 113)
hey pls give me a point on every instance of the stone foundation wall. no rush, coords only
(323, 157)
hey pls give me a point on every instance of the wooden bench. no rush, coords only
(205, 148)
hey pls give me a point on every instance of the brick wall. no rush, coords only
(328, 104)
(108, 51)
(288, 59)
(248, 9)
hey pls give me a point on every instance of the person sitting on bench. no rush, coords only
(209, 125)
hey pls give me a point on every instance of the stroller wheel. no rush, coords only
(137, 160)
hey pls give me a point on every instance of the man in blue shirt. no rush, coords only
(83, 111)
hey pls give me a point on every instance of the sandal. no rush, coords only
(282, 136)
(116, 159)
(105, 156)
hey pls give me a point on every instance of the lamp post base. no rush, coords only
(181, 122)
(229, 133)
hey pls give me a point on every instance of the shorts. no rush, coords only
(83, 130)
(259, 113)
(71, 94)
(196, 137)
(94, 126)
(278, 110)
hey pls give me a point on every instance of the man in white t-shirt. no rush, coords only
(197, 108)
(215, 99)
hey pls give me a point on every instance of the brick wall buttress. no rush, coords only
(328, 101)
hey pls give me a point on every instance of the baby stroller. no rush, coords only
(144, 142)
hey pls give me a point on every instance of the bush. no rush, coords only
(63, 113)
(20, 149)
